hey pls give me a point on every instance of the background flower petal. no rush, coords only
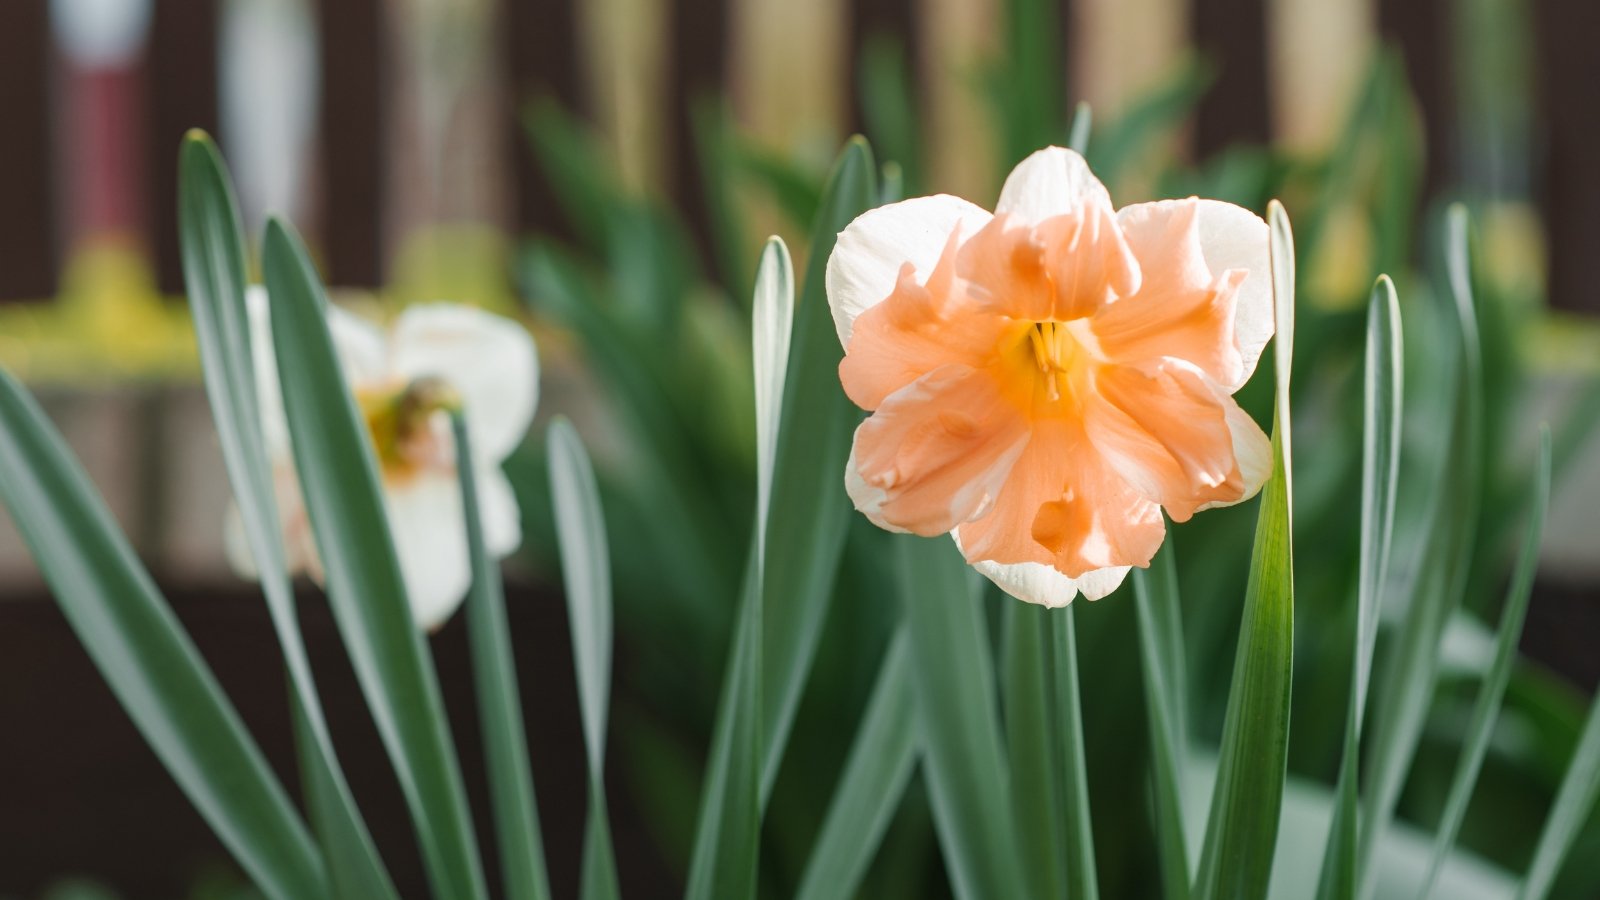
(866, 260)
(429, 530)
(489, 359)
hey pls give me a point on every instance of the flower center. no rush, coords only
(1056, 351)
(403, 427)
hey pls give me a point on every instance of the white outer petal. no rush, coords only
(429, 530)
(1232, 237)
(1038, 583)
(359, 344)
(497, 504)
(1252, 448)
(1050, 182)
(490, 360)
(866, 261)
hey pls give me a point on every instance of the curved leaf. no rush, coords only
(1481, 728)
(339, 481)
(586, 572)
(1380, 463)
(1242, 830)
(212, 244)
(145, 656)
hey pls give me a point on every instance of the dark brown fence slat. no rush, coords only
(1233, 33)
(181, 93)
(1568, 180)
(28, 227)
(698, 70)
(353, 124)
(874, 20)
(541, 53)
(1421, 29)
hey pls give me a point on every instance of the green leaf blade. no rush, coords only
(505, 743)
(810, 510)
(953, 681)
(212, 245)
(339, 482)
(586, 572)
(1493, 691)
(1155, 597)
(1242, 831)
(876, 773)
(1380, 463)
(146, 658)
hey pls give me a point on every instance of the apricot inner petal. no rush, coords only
(938, 449)
(1064, 506)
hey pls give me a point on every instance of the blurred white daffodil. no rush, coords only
(400, 380)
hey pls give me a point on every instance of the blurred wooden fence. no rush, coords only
(1286, 69)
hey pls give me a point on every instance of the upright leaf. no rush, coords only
(1242, 831)
(1413, 666)
(874, 779)
(145, 656)
(1032, 747)
(1380, 465)
(1073, 776)
(494, 671)
(809, 510)
(1155, 597)
(339, 482)
(1493, 691)
(212, 244)
(725, 852)
(586, 571)
(1575, 800)
(953, 679)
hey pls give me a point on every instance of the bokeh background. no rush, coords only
(420, 143)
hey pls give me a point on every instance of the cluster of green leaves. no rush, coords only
(169, 691)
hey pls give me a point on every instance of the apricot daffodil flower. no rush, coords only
(1043, 381)
(404, 381)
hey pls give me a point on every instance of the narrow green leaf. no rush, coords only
(953, 681)
(1155, 597)
(810, 509)
(145, 656)
(1031, 745)
(494, 671)
(212, 244)
(1242, 831)
(1493, 691)
(1413, 667)
(1074, 774)
(586, 572)
(771, 327)
(724, 862)
(1082, 124)
(875, 776)
(354, 869)
(1575, 800)
(727, 834)
(1380, 469)
(339, 482)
